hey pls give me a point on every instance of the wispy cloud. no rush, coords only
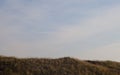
(100, 23)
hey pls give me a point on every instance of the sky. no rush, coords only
(84, 29)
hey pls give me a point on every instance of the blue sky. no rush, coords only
(85, 29)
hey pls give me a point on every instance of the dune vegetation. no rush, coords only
(60, 66)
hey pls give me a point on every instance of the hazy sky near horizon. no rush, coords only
(85, 29)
